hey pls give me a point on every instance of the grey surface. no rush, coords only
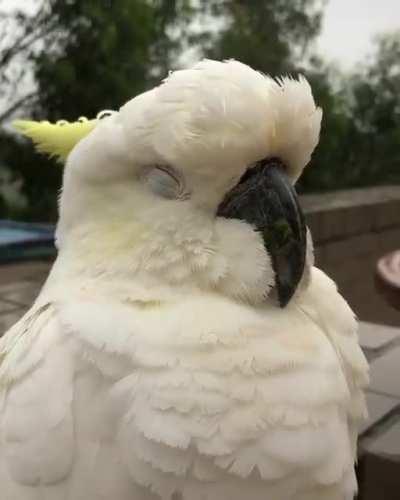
(387, 444)
(385, 373)
(349, 198)
(19, 286)
(373, 336)
(378, 406)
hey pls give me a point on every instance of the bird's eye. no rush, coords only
(164, 181)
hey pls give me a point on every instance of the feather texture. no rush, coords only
(56, 139)
(154, 364)
(124, 401)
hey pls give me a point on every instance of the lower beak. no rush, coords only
(266, 199)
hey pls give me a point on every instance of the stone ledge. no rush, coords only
(338, 215)
(351, 230)
(350, 198)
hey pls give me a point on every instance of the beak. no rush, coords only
(266, 199)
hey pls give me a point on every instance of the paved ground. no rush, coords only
(379, 444)
(19, 285)
(379, 469)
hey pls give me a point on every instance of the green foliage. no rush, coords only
(41, 180)
(103, 53)
(269, 36)
(376, 107)
(360, 137)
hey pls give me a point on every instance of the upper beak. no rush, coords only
(266, 199)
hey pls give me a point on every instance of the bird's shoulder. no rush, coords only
(323, 305)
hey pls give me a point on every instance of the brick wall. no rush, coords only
(351, 230)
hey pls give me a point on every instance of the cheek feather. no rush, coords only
(247, 269)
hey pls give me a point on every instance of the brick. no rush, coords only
(388, 241)
(334, 224)
(388, 214)
(369, 213)
(313, 222)
(380, 195)
(353, 247)
(360, 219)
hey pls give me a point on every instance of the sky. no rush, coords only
(349, 27)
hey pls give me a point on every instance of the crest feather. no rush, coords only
(57, 139)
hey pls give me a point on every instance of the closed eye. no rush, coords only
(165, 181)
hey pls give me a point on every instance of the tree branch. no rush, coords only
(20, 45)
(17, 104)
(34, 29)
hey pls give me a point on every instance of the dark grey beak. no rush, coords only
(266, 199)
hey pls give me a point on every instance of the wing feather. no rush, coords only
(246, 399)
(109, 400)
(36, 423)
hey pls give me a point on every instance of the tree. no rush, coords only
(360, 138)
(106, 52)
(271, 36)
(375, 106)
(127, 44)
(328, 168)
(22, 36)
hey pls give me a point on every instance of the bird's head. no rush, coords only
(192, 182)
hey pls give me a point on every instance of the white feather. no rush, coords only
(153, 365)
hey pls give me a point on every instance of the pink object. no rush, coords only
(387, 278)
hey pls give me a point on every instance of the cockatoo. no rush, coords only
(184, 346)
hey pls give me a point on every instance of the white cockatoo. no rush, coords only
(184, 346)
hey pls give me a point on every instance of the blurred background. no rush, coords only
(62, 59)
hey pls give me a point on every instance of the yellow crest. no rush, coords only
(57, 139)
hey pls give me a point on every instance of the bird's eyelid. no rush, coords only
(164, 181)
